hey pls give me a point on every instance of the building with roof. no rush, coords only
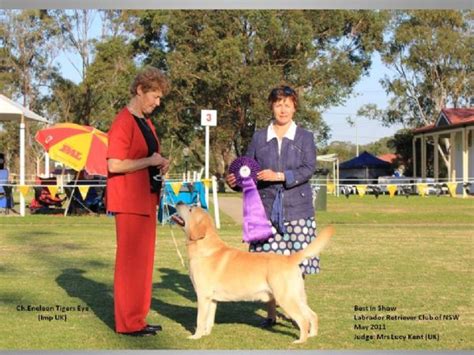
(389, 157)
(451, 138)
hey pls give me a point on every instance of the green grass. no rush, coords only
(415, 254)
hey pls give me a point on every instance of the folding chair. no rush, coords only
(190, 193)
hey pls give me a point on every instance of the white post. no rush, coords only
(465, 160)
(334, 176)
(452, 154)
(414, 156)
(216, 203)
(423, 158)
(436, 157)
(22, 164)
(206, 166)
(208, 118)
(357, 138)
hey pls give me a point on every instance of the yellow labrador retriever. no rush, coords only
(220, 273)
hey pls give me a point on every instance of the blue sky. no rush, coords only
(368, 90)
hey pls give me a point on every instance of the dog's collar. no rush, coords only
(188, 241)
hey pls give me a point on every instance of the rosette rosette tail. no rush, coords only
(256, 226)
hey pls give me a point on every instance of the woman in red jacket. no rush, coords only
(135, 166)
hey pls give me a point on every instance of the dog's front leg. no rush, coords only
(211, 317)
(202, 314)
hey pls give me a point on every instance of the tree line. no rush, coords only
(228, 60)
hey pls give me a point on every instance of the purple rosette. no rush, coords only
(256, 226)
(243, 168)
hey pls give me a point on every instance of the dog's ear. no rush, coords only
(198, 229)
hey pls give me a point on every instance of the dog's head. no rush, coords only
(195, 221)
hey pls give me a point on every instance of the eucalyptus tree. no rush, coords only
(77, 43)
(109, 77)
(229, 60)
(431, 54)
(28, 50)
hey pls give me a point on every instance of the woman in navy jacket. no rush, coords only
(286, 154)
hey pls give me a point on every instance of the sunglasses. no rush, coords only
(287, 91)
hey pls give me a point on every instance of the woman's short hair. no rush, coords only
(150, 79)
(282, 92)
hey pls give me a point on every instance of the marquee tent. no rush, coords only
(364, 169)
(13, 111)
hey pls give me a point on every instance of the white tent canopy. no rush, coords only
(332, 158)
(12, 111)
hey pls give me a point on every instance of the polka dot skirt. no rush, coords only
(299, 233)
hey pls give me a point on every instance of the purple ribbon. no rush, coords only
(256, 226)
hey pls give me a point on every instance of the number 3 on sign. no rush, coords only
(208, 118)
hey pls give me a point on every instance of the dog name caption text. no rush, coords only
(52, 313)
(373, 321)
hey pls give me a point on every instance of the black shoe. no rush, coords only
(145, 332)
(154, 327)
(268, 323)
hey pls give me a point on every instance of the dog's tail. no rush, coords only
(316, 246)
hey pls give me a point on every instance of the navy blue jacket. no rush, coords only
(297, 161)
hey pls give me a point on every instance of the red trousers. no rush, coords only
(135, 254)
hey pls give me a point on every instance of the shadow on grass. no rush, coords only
(13, 299)
(36, 234)
(4, 269)
(97, 296)
(177, 282)
(180, 284)
(227, 312)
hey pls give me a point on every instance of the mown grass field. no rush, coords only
(414, 254)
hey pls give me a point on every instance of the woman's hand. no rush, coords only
(155, 160)
(159, 161)
(117, 166)
(165, 166)
(270, 175)
(231, 180)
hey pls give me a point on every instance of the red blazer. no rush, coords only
(128, 192)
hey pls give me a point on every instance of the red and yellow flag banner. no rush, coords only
(392, 189)
(176, 187)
